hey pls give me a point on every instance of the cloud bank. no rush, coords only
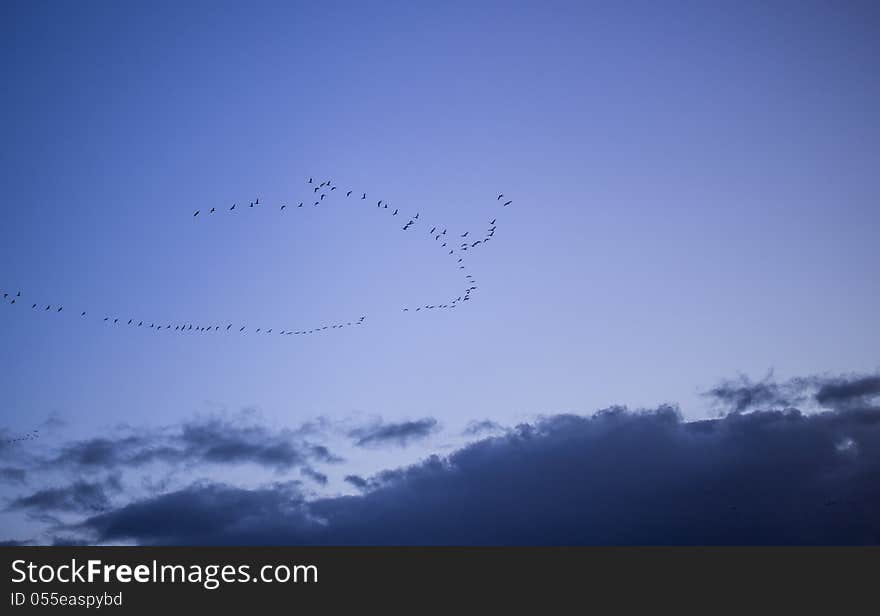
(770, 476)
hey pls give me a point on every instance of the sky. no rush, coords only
(694, 203)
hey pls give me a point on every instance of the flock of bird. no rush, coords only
(28, 436)
(321, 192)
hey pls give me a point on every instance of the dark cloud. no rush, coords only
(618, 477)
(743, 394)
(400, 434)
(357, 481)
(837, 393)
(12, 475)
(208, 513)
(205, 441)
(481, 427)
(80, 496)
(314, 475)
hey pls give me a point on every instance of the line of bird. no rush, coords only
(13, 299)
(328, 188)
(28, 436)
(322, 189)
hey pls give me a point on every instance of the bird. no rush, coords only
(395, 213)
(283, 206)
(465, 234)
(379, 203)
(416, 216)
(316, 202)
(213, 210)
(47, 307)
(232, 208)
(364, 196)
(300, 204)
(60, 308)
(332, 188)
(508, 203)
(252, 204)
(129, 321)
(432, 230)
(498, 198)
(242, 329)
(257, 202)
(322, 196)
(316, 189)
(83, 314)
(492, 222)
(196, 214)
(348, 194)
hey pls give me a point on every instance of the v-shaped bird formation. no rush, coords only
(322, 193)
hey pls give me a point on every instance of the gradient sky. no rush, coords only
(695, 196)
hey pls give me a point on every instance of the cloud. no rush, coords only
(618, 477)
(314, 475)
(357, 481)
(207, 513)
(481, 427)
(852, 392)
(9, 474)
(211, 440)
(845, 393)
(399, 434)
(742, 394)
(80, 496)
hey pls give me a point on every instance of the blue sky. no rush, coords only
(694, 185)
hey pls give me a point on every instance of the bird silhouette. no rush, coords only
(364, 196)
(283, 206)
(213, 210)
(196, 214)
(300, 204)
(348, 194)
(395, 213)
(498, 198)
(508, 203)
(232, 208)
(465, 234)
